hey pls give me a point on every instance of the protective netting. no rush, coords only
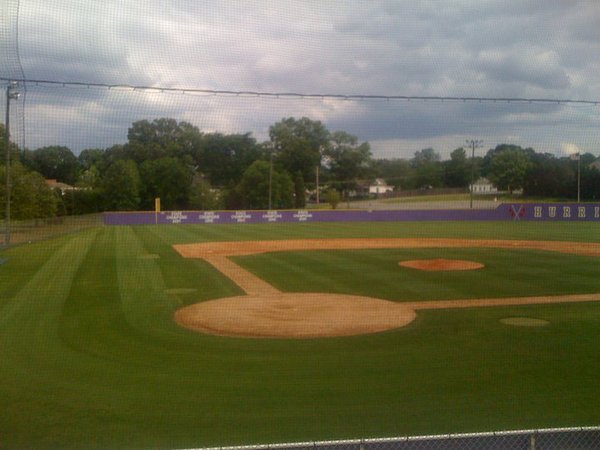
(80, 117)
(221, 66)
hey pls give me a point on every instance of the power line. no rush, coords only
(299, 95)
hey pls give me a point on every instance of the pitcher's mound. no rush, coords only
(441, 264)
(288, 315)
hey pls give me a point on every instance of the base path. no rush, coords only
(268, 312)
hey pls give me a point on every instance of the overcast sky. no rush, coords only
(503, 48)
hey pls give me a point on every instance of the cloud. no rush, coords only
(569, 148)
(496, 48)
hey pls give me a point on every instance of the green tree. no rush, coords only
(121, 186)
(590, 183)
(548, 176)
(333, 197)
(167, 178)
(298, 144)
(253, 189)
(225, 158)
(31, 198)
(396, 172)
(348, 160)
(89, 178)
(457, 171)
(299, 191)
(161, 138)
(90, 157)
(202, 196)
(14, 149)
(427, 168)
(82, 201)
(56, 162)
(509, 168)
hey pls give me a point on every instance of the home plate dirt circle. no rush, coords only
(298, 315)
(441, 264)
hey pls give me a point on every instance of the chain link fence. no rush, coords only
(27, 231)
(585, 438)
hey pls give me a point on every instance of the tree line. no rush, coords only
(189, 169)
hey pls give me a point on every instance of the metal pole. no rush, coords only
(271, 180)
(11, 93)
(474, 143)
(7, 167)
(318, 184)
(578, 177)
(472, 172)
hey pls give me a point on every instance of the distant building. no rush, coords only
(380, 187)
(62, 187)
(483, 186)
(596, 164)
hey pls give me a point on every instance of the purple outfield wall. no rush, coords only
(516, 211)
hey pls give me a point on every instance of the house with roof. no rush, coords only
(62, 187)
(379, 186)
(483, 186)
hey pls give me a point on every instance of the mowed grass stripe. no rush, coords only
(554, 231)
(203, 281)
(36, 307)
(376, 273)
(34, 363)
(144, 302)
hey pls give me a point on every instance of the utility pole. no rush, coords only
(271, 180)
(318, 182)
(474, 143)
(578, 177)
(12, 93)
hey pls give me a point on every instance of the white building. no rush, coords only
(380, 187)
(483, 186)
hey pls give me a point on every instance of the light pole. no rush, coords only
(474, 143)
(12, 93)
(271, 179)
(317, 180)
(578, 177)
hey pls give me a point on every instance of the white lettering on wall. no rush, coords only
(208, 217)
(302, 216)
(240, 216)
(176, 217)
(272, 216)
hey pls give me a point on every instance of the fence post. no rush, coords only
(532, 441)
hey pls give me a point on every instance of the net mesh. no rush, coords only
(230, 67)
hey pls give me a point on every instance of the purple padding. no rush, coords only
(516, 211)
(578, 212)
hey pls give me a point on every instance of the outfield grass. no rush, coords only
(91, 358)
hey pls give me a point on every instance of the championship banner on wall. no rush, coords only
(504, 212)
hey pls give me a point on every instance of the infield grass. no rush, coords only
(91, 358)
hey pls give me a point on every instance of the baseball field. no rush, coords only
(176, 336)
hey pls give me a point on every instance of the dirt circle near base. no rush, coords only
(524, 322)
(441, 264)
(294, 316)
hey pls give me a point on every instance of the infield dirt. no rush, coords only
(268, 312)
